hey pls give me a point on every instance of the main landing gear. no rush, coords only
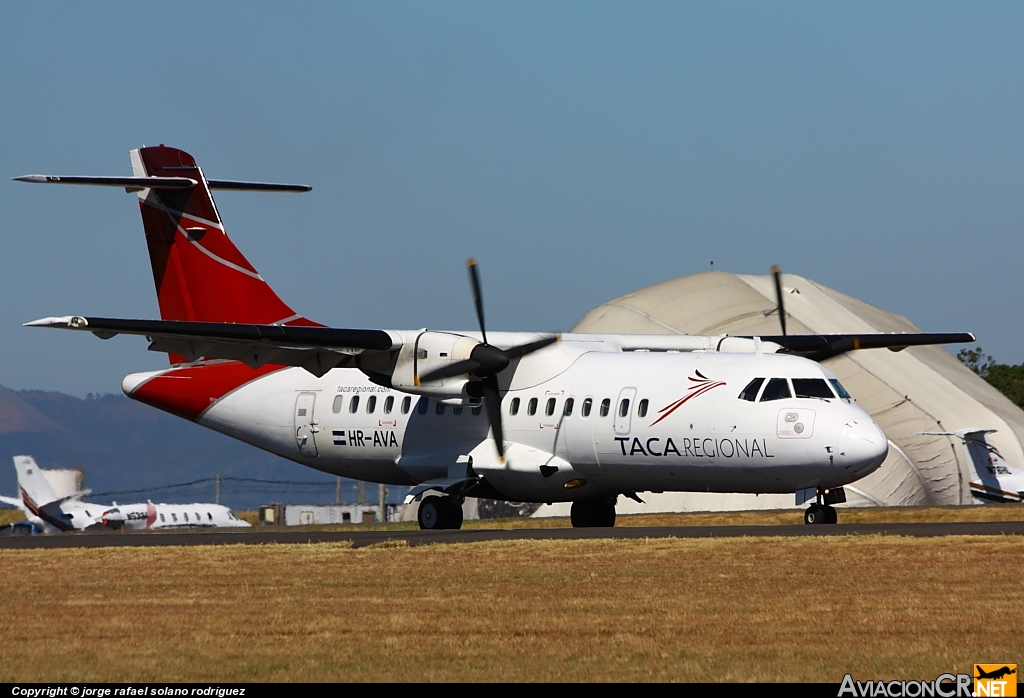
(593, 513)
(822, 511)
(438, 513)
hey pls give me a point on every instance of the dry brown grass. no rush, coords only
(9, 516)
(651, 609)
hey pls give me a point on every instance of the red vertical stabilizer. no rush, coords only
(199, 273)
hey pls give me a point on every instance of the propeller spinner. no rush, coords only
(486, 362)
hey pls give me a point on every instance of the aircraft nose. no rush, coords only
(862, 446)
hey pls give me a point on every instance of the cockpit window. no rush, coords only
(750, 392)
(812, 387)
(777, 389)
(840, 390)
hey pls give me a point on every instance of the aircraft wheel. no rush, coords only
(431, 515)
(454, 515)
(815, 514)
(593, 514)
(830, 515)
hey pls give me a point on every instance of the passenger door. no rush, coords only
(305, 425)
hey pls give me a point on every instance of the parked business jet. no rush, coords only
(51, 513)
(503, 415)
(992, 478)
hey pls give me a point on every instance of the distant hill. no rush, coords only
(125, 445)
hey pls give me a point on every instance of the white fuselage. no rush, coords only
(684, 427)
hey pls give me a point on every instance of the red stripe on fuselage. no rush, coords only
(189, 391)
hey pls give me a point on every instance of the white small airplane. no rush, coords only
(992, 478)
(510, 415)
(50, 513)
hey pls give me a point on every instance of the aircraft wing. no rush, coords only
(13, 501)
(824, 346)
(317, 349)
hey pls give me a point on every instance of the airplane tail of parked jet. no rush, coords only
(992, 478)
(38, 498)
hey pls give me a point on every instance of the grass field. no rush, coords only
(806, 609)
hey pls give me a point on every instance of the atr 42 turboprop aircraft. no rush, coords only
(48, 512)
(505, 415)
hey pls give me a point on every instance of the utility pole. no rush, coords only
(337, 490)
(217, 493)
(381, 494)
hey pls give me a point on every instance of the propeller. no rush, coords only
(777, 273)
(486, 362)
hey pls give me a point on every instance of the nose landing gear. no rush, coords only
(438, 513)
(822, 511)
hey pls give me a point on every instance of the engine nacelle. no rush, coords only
(431, 351)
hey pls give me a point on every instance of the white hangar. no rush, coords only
(907, 392)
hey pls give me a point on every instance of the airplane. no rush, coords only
(518, 416)
(992, 478)
(49, 513)
(995, 673)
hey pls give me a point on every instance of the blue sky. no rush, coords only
(578, 150)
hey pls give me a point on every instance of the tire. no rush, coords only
(431, 516)
(454, 516)
(831, 516)
(580, 515)
(593, 514)
(814, 515)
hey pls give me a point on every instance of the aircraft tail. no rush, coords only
(35, 490)
(199, 273)
(992, 478)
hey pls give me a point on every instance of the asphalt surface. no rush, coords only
(363, 538)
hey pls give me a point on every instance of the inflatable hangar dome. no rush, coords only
(907, 392)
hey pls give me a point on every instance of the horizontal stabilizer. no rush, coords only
(231, 185)
(129, 183)
(140, 183)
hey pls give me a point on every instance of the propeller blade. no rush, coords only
(778, 299)
(477, 296)
(492, 403)
(530, 347)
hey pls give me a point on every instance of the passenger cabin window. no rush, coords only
(624, 408)
(389, 404)
(750, 392)
(406, 402)
(777, 389)
(209, 516)
(549, 409)
(812, 387)
(568, 407)
(198, 517)
(840, 390)
(641, 410)
(353, 405)
(174, 517)
(513, 409)
(302, 412)
(587, 405)
(422, 406)
(371, 404)
(339, 400)
(606, 405)
(186, 516)
(162, 519)
(457, 411)
(440, 408)
(477, 409)
(531, 407)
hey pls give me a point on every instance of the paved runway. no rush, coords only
(363, 538)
